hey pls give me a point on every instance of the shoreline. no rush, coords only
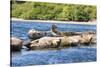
(52, 21)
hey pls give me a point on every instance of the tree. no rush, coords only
(52, 11)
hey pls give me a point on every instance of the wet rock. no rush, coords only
(70, 41)
(16, 44)
(94, 39)
(65, 41)
(86, 39)
(54, 42)
(45, 42)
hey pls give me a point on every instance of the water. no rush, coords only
(42, 57)
(20, 29)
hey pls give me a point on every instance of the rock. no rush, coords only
(65, 41)
(94, 39)
(45, 42)
(70, 41)
(16, 44)
(34, 34)
(86, 39)
(54, 42)
(74, 40)
(89, 32)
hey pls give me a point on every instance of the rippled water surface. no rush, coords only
(41, 57)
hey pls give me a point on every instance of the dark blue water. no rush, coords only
(20, 29)
(41, 57)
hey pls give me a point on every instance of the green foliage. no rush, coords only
(51, 11)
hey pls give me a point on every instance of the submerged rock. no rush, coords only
(16, 44)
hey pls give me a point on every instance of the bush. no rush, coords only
(51, 11)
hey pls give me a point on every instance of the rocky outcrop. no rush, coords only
(15, 44)
(87, 39)
(70, 41)
(53, 39)
(34, 34)
(70, 33)
(45, 42)
(56, 42)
